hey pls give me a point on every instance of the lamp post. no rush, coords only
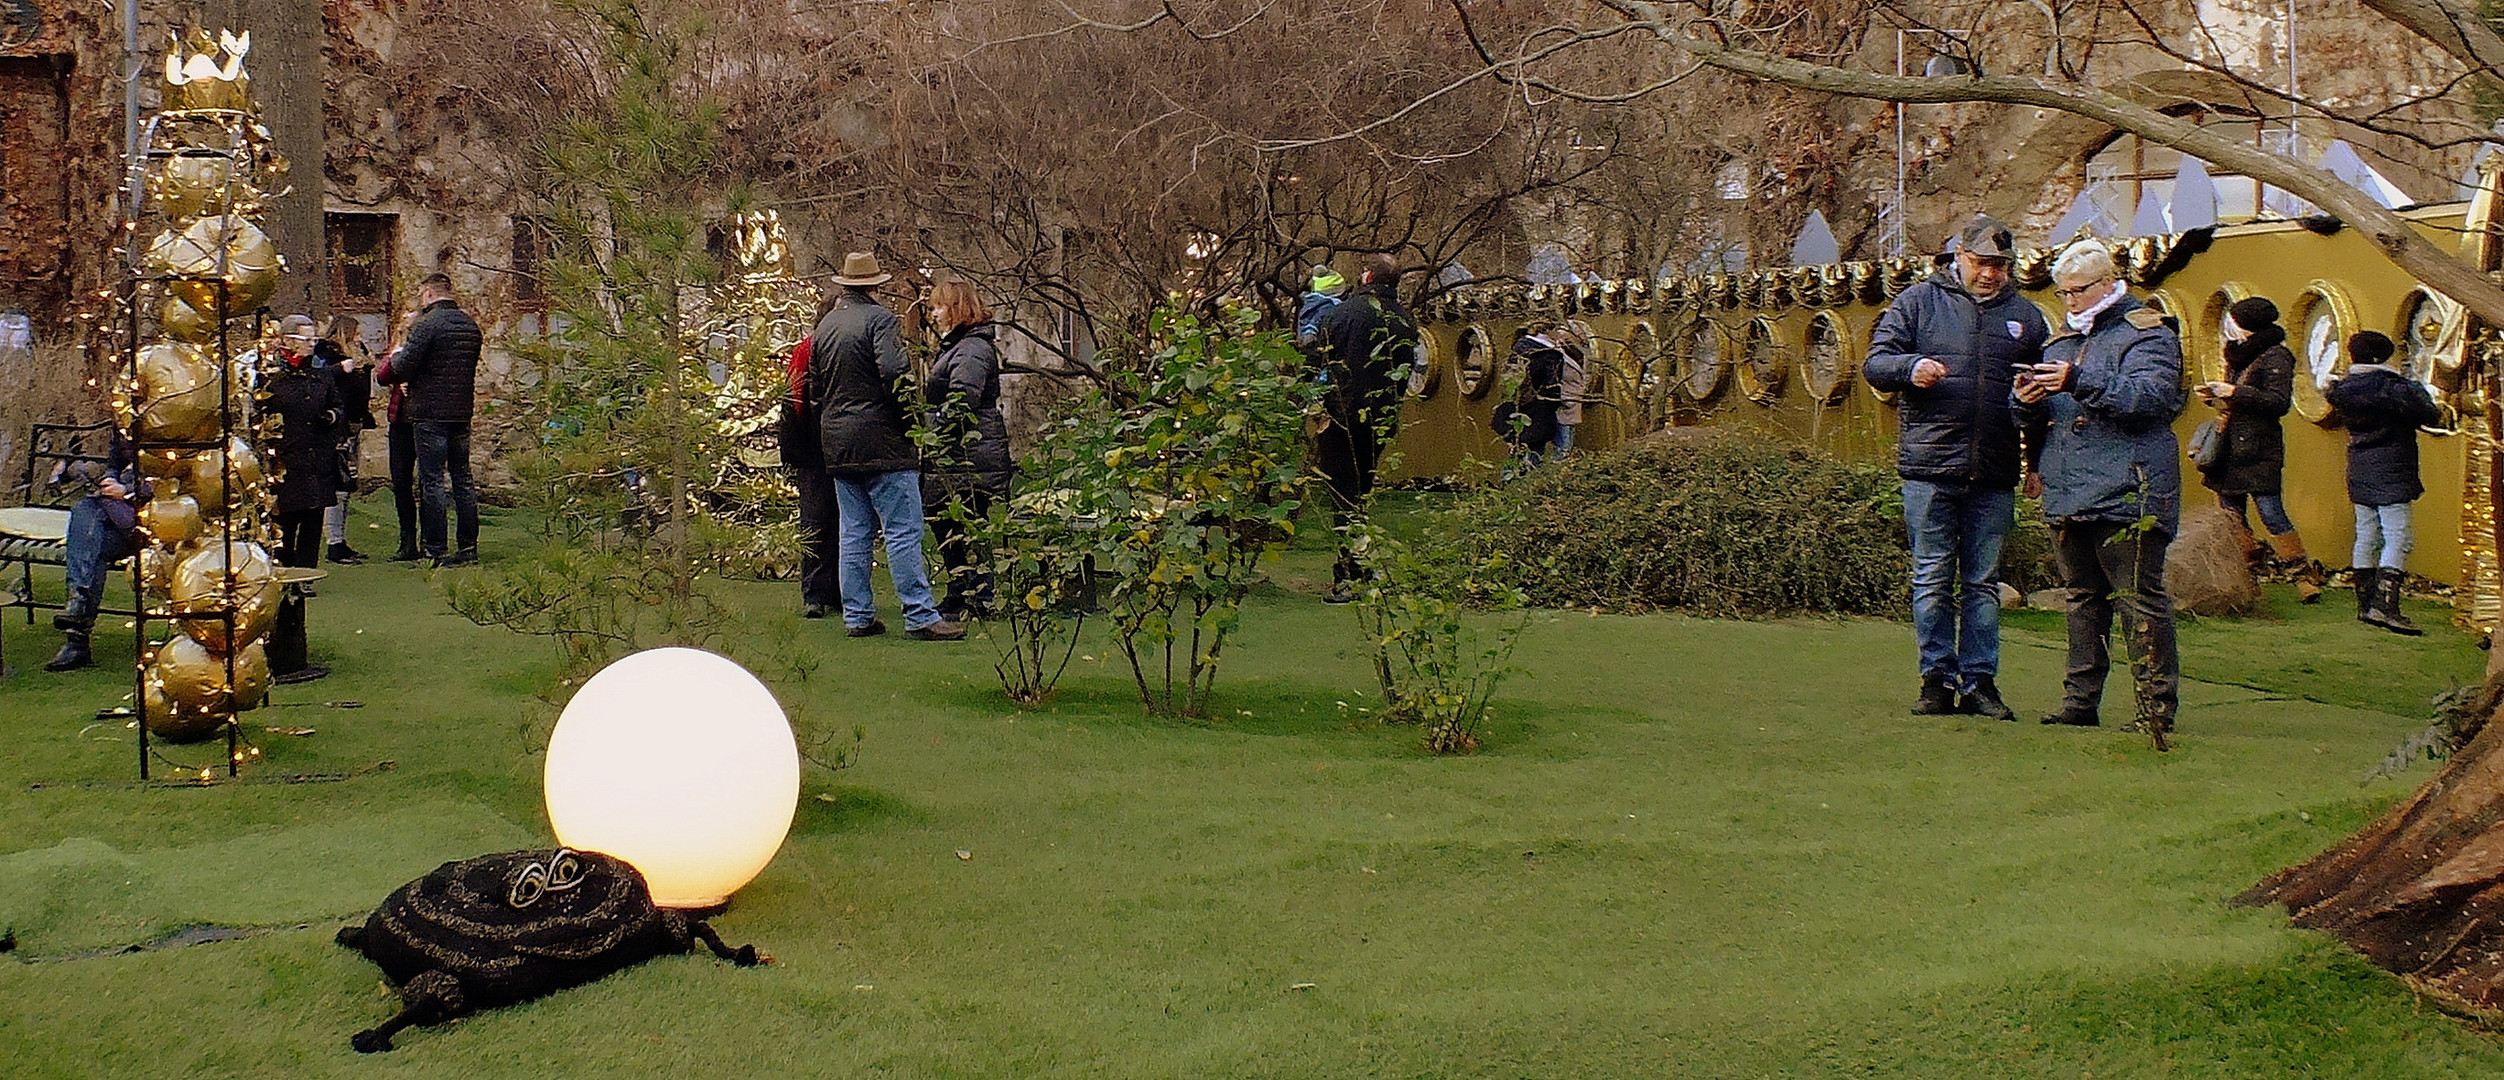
(1938, 66)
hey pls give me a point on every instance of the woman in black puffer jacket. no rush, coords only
(969, 466)
(2251, 402)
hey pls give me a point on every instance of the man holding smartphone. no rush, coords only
(2099, 420)
(1952, 345)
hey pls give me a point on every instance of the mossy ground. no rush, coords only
(1691, 848)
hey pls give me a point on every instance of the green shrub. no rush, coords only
(1716, 525)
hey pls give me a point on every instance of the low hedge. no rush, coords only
(1724, 525)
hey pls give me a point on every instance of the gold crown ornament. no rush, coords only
(207, 73)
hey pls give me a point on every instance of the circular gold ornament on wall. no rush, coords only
(1827, 365)
(1476, 362)
(1767, 363)
(2317, 335)
(1703, 366)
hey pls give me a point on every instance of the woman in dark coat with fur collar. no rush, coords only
(969, 466)
(2251, 402)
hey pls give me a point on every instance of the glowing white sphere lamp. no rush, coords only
(681, 763)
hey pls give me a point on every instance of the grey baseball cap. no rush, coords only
(1985, 237)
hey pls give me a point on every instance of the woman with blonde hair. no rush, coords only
(969, 465)
(342, 351)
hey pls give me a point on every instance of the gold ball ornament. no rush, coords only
(174, 721)
(193, 184)
(207, 480)
(171, 520)
(183, 322)
(177, 393)
(224, 248)
(216, 574)
(165, 467)
(156, 573)
(193, 675)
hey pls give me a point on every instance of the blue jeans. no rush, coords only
(1956, 533)
(2382, 536)
(443, 482)
(2273, 511)
(888, 504)
(96, 541)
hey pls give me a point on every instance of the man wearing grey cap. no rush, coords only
(1951, 346)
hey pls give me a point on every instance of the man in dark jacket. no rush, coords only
(856, 355)
(103, 530)
(2098, 414)
(1365, 346)
(438, 367)
(2382, 409)
(1951, 345)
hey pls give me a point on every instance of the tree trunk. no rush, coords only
(2421, 891)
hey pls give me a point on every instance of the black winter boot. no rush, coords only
(2368, 583)
(2387, 604)
(74, 653)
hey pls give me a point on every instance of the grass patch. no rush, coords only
(1692, 847)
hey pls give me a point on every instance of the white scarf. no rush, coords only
(2084, 320)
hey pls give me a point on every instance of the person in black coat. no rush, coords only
(2250, 402)
(856, 357)
(1536, 401)
(1364, 346)
(437, 367)
(304, 399)
(969, 466)
(2382, 409)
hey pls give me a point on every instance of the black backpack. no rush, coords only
(502, 929)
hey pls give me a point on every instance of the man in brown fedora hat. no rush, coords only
(856, 355)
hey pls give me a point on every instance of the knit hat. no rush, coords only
(2368, 347)
(1326, 279)
(2254, 312)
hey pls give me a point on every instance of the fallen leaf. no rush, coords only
(963, 855)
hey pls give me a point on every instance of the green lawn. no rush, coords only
(1692, 848)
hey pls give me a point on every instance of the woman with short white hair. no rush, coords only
(2098, 416)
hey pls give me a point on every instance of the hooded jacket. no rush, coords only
(2383, 410)
(1958, 430)
(2105, 445)
(963, 392)
(856, 359)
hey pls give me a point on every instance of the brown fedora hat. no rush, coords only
(860, 270)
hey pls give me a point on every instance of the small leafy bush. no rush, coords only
(1438, 664)
(1172, 480)
(1719, 525)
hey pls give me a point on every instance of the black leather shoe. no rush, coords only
(943, 630)
(407, 555)
(466, 557)
(73, 654)
(2074, 718)
(1984, 700)
(344, 555)
(1936, 699)
(813, 611)
(874, 629)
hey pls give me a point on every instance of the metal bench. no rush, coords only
(63, 464)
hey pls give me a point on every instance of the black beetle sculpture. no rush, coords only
(502, 929)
